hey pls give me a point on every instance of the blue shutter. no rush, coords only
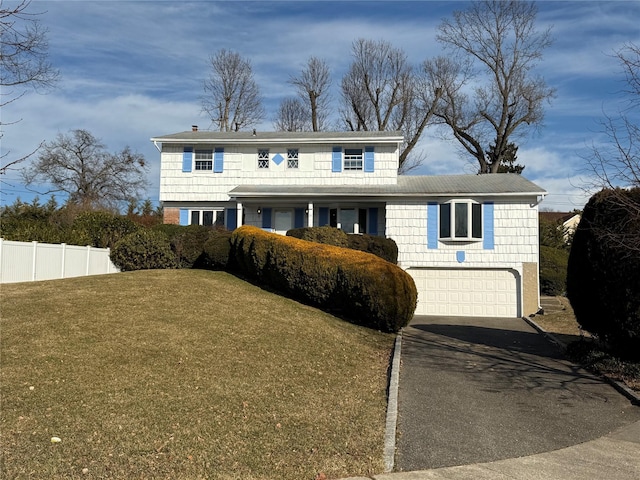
(487, 221)
(336, 159)
(266, 218)
(373, 221)
(232, 218)
(298, 221)
(432, 225)
(368, 159)
(323, 218)
(184, 216)
(187, 159)
(218, 160)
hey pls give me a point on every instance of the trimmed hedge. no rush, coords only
(100, 229)
(603, 281)
(382, 247)
(553, 270)
(216, 250)
(143, 250)
(357, 286)
(188, 244)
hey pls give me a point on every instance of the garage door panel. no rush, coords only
(466, 292)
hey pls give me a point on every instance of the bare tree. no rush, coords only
(491, 95)
(313, 86)
(381, 92)
(232, 97)
(23, 62)
(292, 116)
(615, 165)
(79, 165)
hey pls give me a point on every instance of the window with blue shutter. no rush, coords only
(323, 217)
(184, 216)
(232, 218)
(218, 160)
(432, 225)
(368, 159)
(298, 221)
(336, 159)
(373, 221)
(187, 159)
(488, 231)
(266, 218)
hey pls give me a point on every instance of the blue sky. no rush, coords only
(132, 70)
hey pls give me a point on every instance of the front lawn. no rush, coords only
(184, 374)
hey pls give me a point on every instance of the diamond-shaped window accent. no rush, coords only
(278, 159)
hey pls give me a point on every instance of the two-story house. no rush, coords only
(469, 241)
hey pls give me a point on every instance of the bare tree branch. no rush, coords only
(79, 165)
(23, 61)
(494, 42)
(232, 97)
(313, 85)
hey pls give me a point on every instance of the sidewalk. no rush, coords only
(615, 457)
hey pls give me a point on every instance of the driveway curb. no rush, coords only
(392, 408)
(619, 386)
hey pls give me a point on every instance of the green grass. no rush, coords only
(184, 374)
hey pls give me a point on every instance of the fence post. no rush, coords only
(88, 258)
(64, 254)
(2, 266)
(33, 261)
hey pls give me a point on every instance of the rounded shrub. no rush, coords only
(382, 247)
(326, 235)
(100, 229)
(143, 250)
(603, 273)
(188, 244)
(357, 286)
(216, 249)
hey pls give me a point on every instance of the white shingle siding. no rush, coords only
(515, 237)
(241, 167)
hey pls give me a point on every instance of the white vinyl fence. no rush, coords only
(32, 261)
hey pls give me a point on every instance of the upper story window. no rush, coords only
(263, 158)
(353, 159)
(461, 220)
(292, 158)
(204, 159)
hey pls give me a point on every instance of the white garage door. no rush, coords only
(466, 292)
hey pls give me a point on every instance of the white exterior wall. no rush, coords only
(241, 168)
(515, 237)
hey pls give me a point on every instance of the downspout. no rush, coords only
(155, 142)
(539, 201)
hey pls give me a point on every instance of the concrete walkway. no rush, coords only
(613, 457)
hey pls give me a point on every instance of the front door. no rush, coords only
(283, 221)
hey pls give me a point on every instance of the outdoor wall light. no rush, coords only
(259, 211)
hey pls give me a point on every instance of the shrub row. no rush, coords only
(357, 286)
(382, 247)
(603, 277)
(173, 246)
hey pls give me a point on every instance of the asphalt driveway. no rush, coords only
(484, 389)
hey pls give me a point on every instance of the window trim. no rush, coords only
(474, 225)
(263, 163)
(356, 164)
(199, 163)
(293, 162)
(218, 216)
